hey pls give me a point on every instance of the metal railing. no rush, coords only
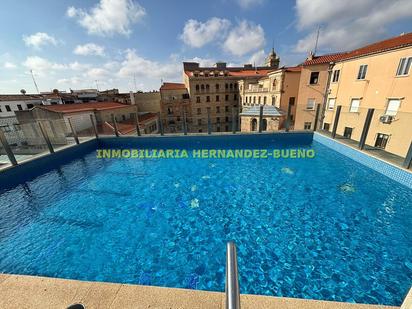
(232, 279)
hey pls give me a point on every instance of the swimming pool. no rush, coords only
(323, 228)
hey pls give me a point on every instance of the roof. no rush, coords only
(173, 86)
(82, 107)
(268, 110)
(396, 42)
(146, 116)
(19, 97)
(236, 71)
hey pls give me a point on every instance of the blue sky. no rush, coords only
(73, 43)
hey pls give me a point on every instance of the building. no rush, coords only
(148, 101)
(377, 76)
(175, 106)
(272, 118)
(278, 88)
(216, 91)
(56, 120)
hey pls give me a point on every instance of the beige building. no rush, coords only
(175, 105)
(377, 76)
(278, 88)
(272, 118)
(215, 90)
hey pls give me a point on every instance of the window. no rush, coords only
(199, 122)
(199, 111)
(381, 140)
(169, 111)
(264, 100)
(347, 133)
(354, 105)
(200, 131)
(217, 109)
(393, 106)
(123, 117)
(292, 101)
(202, 87)
(207, 87)
(331, 104)
(217, 86)
(231, 86)
(197, 99)
(326, 126)
(217, 98)
(0, 109)
(207, 99)
(314, 78)
(218, 129)
(185, 96)
(335, 77)
(227, 119)
(197, 87)
(254, 100)
(8, 108)
(404, 66)
(218, 119)
(273, 100)
(19, 107)
(258, 100)
(235, 97)
(226, 85)
(362, 71)
(30, 105)
(226, 128)
(310, 104)
(226, 108)
(307, 125)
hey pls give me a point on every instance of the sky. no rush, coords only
(135, 44)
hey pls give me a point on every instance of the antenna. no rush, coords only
(97, 84)
(134, 79)
(34, 81)
(317, 40)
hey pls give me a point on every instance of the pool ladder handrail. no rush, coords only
(232, 279)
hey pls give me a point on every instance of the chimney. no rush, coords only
(311, 55)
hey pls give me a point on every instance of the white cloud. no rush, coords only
(41, 65)
(203, 62)
(197, 34)
(109, 17)
(9, 65)
(344, 27)
(89, 49)
(135, 64)
(247, 4)
(244, 38)
(76, 66)
(258, 58)
(97, 73)
(39, 39)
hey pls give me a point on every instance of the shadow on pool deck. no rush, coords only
(17, 291)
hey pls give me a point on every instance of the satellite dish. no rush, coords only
(23, 92)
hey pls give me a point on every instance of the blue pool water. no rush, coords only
(323, 228)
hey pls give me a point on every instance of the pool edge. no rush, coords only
(21, 291)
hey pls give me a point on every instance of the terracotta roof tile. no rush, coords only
(82, 107)
(396, 42)
(172, 86)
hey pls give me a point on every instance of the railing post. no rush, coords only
(7, 148)
(408, 159)
(233, 121)
(116, 130)
(160, 124)
(46, 137)
(184, 123)
(232, 281)
(76, 138)
(335, 123)
(137, 123)
(287, 125)
(209, 124)
(315, 126)
(260, 118)
(366, 126)
(94, 126)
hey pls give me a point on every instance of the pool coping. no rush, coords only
(21, 291)
(388, 169)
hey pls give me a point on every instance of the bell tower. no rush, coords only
(272, 60)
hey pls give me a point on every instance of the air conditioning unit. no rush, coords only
(386, 119)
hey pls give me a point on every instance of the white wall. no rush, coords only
(80, 121)
(14, 106)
